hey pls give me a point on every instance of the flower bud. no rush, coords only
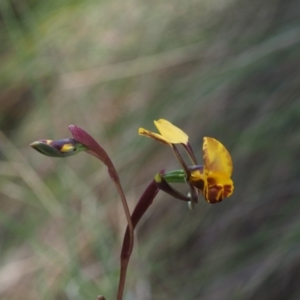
(58, 148)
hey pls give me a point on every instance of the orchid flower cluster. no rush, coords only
(212, 179)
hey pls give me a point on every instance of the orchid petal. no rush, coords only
(216, 157)
(219, 186)
(171, 133)
(153, 135)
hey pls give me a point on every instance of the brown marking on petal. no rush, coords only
(211, 181)
(228, 190)
(221, 180)
(215, 194)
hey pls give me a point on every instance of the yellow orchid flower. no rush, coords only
(218, 167)
(212, 179)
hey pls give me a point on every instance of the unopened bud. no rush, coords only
(58, 148)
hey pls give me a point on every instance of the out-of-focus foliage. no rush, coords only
(225, 69)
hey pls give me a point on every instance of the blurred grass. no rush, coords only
(227, 69)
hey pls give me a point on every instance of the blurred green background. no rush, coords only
(228, 69)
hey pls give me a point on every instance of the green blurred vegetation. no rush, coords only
(226, 69)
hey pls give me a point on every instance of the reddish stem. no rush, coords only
(143, 204)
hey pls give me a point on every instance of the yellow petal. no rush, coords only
(170, 132)
(219, 186)
(220, 179)
(216, 157)
(153, 135)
